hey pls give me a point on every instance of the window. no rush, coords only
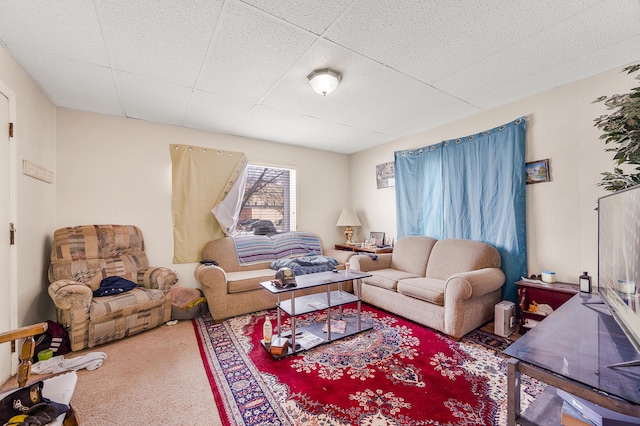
(269, 203)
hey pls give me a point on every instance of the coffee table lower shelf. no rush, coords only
(315, 330)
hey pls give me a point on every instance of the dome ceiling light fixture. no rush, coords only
(324, 80)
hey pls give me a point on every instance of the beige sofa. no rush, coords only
(451, 285)
(232, 287)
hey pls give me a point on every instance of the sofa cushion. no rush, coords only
(451, 256)
(411, 253)
(387, 278)
(252, 249)
(427, 289)
(120, 305)
(295, 243)
(240, 281)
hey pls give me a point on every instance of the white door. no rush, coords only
(5, 250)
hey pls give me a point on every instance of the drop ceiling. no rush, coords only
(239, 67)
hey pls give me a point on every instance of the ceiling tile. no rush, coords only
(392, 32)
(70, 83)
(589, 31)
(165, 40)
(616, 55)
(66, 28)
(312, 15)
(296, 129)
(215, 113)
(152, 100)
(370, 95)
(250, 53)
(466, 40)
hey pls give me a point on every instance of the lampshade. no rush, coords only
(324, 81)
(348, 217)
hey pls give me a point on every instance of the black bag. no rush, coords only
(55, 338)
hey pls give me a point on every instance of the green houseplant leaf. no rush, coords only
(621, 135)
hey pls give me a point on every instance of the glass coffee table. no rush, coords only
(314, 334)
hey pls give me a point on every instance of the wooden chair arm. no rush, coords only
(21, 333)
(28, 347)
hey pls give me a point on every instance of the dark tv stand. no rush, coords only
(572, 350)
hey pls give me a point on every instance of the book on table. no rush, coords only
(308, 340)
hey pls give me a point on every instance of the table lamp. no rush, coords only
(348, 218)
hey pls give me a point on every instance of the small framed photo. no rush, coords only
(537, 171)
(385, 175)
(376, 238)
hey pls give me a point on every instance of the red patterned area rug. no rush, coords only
(399, 373)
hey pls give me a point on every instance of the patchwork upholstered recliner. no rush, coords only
(81, 257)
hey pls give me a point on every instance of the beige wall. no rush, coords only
(34, 206)
(116, 170)
(561, 220)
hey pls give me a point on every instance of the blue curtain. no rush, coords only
(419, 183)
(472, 187)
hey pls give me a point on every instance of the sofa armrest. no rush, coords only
(70, 294)
(463, 286)
(342, 256)
(213, 281)
(364, 262)
(474, 283)
(157, 277)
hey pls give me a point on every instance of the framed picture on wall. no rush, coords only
(537, 171)
(385, 175)
(376, 238)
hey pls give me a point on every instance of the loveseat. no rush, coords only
(237, 265)
(451, 285)
(81, 258)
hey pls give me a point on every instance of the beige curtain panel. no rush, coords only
(201, 178)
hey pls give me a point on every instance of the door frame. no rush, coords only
(13, 217)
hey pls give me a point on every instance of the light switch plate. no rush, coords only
(36, 171)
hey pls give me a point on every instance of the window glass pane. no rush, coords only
(268, 205)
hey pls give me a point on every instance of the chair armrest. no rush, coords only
(28, 346)
(70, 294)
(21, 333)
(364, 262)
(157, 277)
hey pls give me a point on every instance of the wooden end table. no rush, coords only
(356, 248)
(552, 294)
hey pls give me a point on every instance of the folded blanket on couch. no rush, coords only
(309, 264)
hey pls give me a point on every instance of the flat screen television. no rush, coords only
(619, 259)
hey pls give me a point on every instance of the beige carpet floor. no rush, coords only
(152, 378)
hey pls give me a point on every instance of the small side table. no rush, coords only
(357, 248)
(554, 295)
